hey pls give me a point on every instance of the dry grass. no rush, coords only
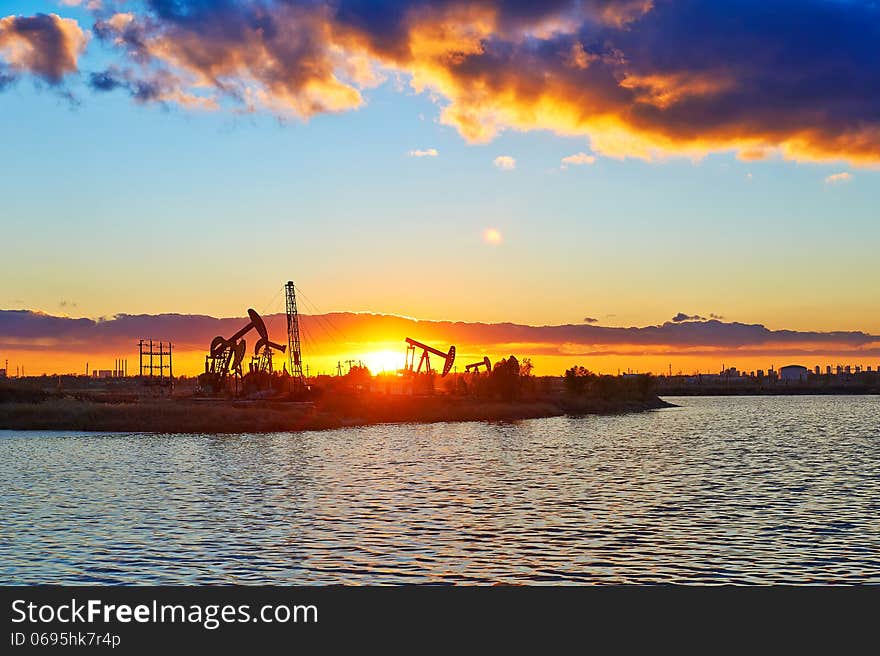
(178, 416)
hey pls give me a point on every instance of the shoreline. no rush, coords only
(190, 416)
(802, 392)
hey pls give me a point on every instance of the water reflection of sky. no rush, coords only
(722, 490)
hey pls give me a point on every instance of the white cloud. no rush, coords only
(838, 177)
(89, 4)
(429, 152)
(505, 162)
(578, 159)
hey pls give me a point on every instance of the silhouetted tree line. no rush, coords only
(581, 382)
(509, 380)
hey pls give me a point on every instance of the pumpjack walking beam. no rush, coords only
(412, 345)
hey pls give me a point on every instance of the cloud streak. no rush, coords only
(35, 331)
(837, 178)
(578, 159)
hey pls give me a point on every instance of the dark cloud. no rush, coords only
(590, 320)
(26, 329)
(681, 316)
(800, 78)
(6, 77)
(44, 45)
(105, 81)
(158, 86)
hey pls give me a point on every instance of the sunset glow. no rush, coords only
(383, 361)
(480, 163)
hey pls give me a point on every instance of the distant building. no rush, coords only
(794, 373)
(3, 372)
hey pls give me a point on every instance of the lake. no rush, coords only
(719, 490)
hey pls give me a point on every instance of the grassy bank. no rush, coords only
(187, 416)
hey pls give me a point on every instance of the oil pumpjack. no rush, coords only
(226, 354)
(475, 366)
(425, 360)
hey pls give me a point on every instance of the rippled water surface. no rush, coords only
(739, 489)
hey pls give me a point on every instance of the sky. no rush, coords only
(612, 163)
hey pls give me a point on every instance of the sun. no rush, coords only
(384, 361)
(492, 236)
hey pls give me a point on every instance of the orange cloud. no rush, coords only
(44, 343)
(633, 77)
(838, 177)
(45, 45)
(578, 159)
(295, 72)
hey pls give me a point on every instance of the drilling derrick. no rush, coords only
(294, 352)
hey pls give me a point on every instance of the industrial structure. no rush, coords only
(154, 359)
(475, 366)
(294, 350)
(794, 372)
(226, 354)
(425, 359)
(119, 370)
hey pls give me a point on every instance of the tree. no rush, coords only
(578, 380)
(358, 377)
(504, 381)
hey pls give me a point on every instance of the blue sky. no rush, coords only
(113, 206)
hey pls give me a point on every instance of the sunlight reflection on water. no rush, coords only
(720, 490)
